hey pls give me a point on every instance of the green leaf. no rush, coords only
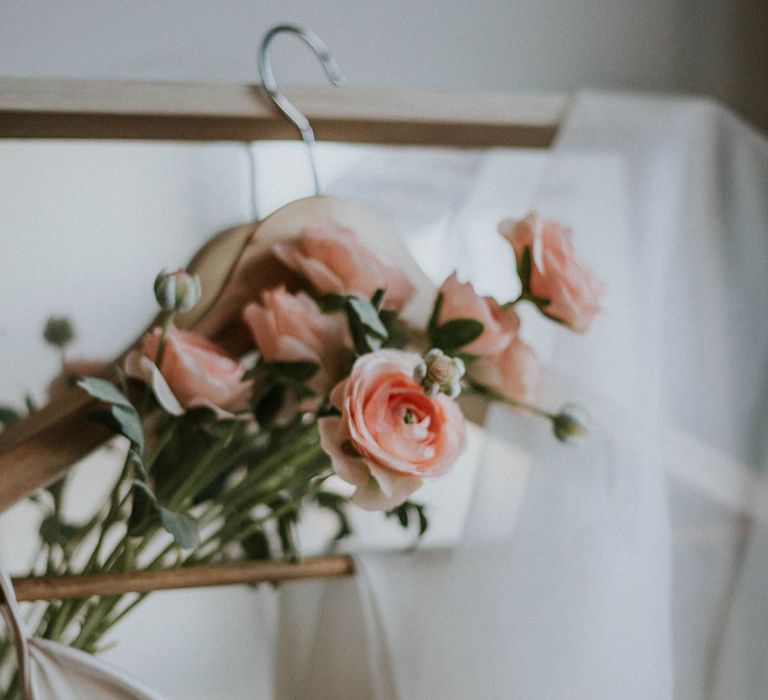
(138, 464)
(456, 333)
(129, 424)
(256, 546)
(367, 314)
(397, 331)
(403, 514)
(104, 391)
(183, 527)
(423, 522)
(290, 372)
(8, 415)
(336, 504)
(331, 303)
(367, 330)
(55, 531)
(434, 319)
(143, 510)
(268, 403)
(29, 402)
(524, 268)
(121, 420)
(378, 298)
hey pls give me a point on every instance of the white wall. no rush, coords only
(712, 46)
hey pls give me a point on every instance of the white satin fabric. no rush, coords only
(51, 671)
(588, 589)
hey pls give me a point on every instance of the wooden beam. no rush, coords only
(92, 109)
(249, 572)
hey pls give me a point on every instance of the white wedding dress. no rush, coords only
(571, 580)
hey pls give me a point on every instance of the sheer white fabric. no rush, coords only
(589, 589)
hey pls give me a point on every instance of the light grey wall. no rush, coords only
(716, 47)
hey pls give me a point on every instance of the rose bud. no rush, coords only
(177, 291)
(571, 422)
(58, 331)
(440, 372)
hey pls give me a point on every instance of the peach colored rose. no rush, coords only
(335, 261)
(557, 274)
(513, 371)
(193, 372)
(390, 433)
(503, 361)
(291, 327)
(461, 301)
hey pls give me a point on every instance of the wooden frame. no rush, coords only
(78, 109)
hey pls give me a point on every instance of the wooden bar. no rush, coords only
(93, 109)
(250, 572)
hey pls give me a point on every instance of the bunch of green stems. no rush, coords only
(263, 479)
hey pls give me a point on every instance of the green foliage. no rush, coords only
(122, 415)
(434, 319)
(397, 331)
(337, 505)
(8, 415)
(524, 270)
(281, 380)
(53, 531)
(256, 545)
(366, 327)
(409, 512)
(455, 334)
(181, 526)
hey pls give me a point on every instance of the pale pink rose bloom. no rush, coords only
(335, 261)
(193, 372)
(499, 326)
(513, 371)
(557, 274)
(291, 328)
(390, 433)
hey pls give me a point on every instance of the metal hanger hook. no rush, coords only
(291, 113)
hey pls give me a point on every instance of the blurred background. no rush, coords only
(710, 47)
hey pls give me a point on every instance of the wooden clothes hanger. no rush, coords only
(234, 267)
(37, 450)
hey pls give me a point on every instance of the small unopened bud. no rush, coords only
(58, 331)
(177, 291)
(571, 423)
(440, 372)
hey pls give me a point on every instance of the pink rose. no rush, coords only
(512, 372)
(504, 363)
(193, 372)
(499, 326)
(390, 433)
(335, 261)
(291, 327)
(556, 275)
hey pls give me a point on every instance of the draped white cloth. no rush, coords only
(52, 671)
(570, 579)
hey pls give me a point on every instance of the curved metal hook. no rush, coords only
(291, 113)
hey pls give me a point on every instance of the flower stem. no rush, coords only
(167, 318)
(503, 398)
